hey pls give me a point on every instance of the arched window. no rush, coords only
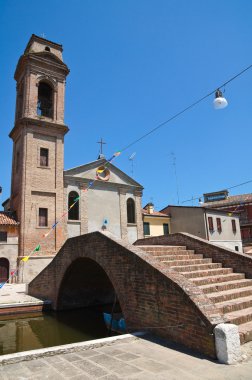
(73, 213)
(45, 100)
(131, 218)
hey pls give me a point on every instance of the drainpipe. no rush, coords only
(207, 234)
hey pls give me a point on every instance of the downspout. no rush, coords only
(207, 234)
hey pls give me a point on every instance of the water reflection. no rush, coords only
(50, 329)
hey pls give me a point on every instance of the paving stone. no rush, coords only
(107, 361)
(110, 350)
(126, 370)
(71, 357)
(66, 369)
(35, 365)
(87, 353)
(92, 369)
(127, 356)
(150, 365)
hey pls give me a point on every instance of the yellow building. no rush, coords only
(155, 223)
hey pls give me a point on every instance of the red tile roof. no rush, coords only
(154, 213)
(7, 219)
(231, 200)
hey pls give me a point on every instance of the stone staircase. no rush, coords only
(230, 292)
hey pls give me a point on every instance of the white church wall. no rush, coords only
(104, 205)
(73, 228)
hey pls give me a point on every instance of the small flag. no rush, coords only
(100, 170)
(55, 224)
(76, 199)
(84, 190)
(2, 284)
(45, 235)
(91, 183)
(37, 248)
(13, 272)
(230, 214)
(116, 154)
(111, 158)
(26, 258)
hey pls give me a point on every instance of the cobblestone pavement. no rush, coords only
(127, 359)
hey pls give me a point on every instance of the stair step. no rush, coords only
(199, 267)
(162, 248)
(230, 294)
(245, 331)
(227, 285)
(220, 278)
(207, 273)
(235, 304)
(179, 257)
(187, 263)
(240, 316)
(165, 253)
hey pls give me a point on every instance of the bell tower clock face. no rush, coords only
(103, 173)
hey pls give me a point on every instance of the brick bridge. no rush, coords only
(162, 286)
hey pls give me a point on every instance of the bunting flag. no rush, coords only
(37, 248)
(116, 154)
(2, 284)
(26, 258)
(13, 272)
(48, 233)
(76, 199)
(100, 170)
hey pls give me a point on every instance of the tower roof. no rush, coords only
(43, 41)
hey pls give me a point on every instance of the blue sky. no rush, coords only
(133, 65)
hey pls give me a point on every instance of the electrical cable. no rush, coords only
(185, 109)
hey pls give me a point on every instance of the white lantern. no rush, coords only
(219, 101)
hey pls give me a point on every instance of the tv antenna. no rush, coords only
(131, 158)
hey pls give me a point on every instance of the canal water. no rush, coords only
(50, 329)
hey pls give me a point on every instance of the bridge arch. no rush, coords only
(85, 283)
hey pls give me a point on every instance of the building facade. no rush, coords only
(216, 226)
(241, 204)
(42, 193)
(155, 223)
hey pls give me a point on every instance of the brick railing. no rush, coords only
(240, 262)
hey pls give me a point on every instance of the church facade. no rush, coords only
(43, 195)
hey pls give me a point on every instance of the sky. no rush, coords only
(133, 65)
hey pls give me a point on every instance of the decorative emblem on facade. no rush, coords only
(102, 173)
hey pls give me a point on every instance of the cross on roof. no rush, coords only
(102, 143)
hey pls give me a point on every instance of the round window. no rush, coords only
(103, 173)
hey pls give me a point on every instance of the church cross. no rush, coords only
(102, 143)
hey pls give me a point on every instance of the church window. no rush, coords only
(146, 226)
(43, 217)
(73, 213)
(45, 100)
(47, 48)
(20, 99)
(44, 156)
(131, 211)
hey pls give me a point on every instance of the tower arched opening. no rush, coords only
(45, 100)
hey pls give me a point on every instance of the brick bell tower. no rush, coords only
(38, 146)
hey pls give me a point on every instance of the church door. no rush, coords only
(4, 269)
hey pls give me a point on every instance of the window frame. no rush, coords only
(168, 229)
(44, 156)
(40, 224)
(146, 225)
(210, 223)
(5, 234)
(219, 225)
(74, 210)
(234, 228)
(131, 211)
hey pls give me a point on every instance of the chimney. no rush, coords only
(150, 208)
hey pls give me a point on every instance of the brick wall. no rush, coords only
(240, 262)
(152, 296)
